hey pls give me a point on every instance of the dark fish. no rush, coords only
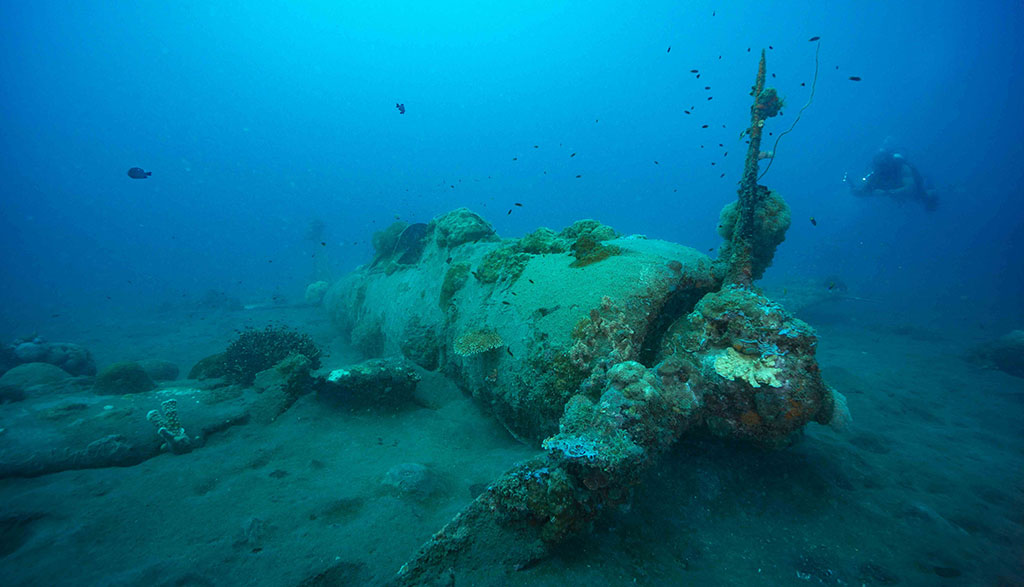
(770, 48)
(530, 280)
(536, 146)
(509, 352)
(323, 244)
(401, 108)
(515, 158)
(518, 204)
(704, 126)
(573, 155)
(686, 111)
(506, 303)
(694, 71)
(138, 173)
(854, 78)
(655, 162)
(812, 39)
(475, 274)
(698, 76)
(509, 211)
(669, 49)
(448, 260)
(710, 97)
(513, 293)
(707, 87)
(813, 221)
(578, 176)
(802, 84)
(723, 175)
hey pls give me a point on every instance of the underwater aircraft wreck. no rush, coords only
(601, 349)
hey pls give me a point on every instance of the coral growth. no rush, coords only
(478, 341)
(454, 279)
(256, 350)
(122, 378)
(754, 370)
(169, 427)
(771, 220)
(606, 332)
(502, 263)
(588, 250)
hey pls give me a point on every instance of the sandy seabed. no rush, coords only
(924, 488)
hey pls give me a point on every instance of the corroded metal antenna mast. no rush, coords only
(766, 105)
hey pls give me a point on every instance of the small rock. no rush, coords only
(123, 378)
(31, 374)
(411, 480)
(159, 370)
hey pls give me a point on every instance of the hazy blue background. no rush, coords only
(256, 117)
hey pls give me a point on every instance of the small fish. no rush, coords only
(710, 97)
(655, 162)
(518, 204)
(707, 87)
(509, 352)
(686, 111)
(578, 176)
(813, 221)
(669, 49)
(694, 71)
(515, 158)
(704, 126)
(509, 212)
(748, 49)
(712, 163)
(512, 292)
(448, 260)
(475, 274)
(530, 280)
(573, 155)
(138, 173)
(401, 108)
(723, 175)
(802, 84)
(698, 76)
(813, 39)
(831, 285)
(323, 244)
(536, 146)
(711, 249)
(770, 48)
(506, 303)
(854, 78)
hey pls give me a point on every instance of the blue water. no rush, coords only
(258, 118)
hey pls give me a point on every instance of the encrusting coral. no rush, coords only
(478, 341)
(754, 370)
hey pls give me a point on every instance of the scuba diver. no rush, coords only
(893, 176)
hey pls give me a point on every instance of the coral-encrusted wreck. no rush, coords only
(599, 348)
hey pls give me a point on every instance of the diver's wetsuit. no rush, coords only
(891, 175)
